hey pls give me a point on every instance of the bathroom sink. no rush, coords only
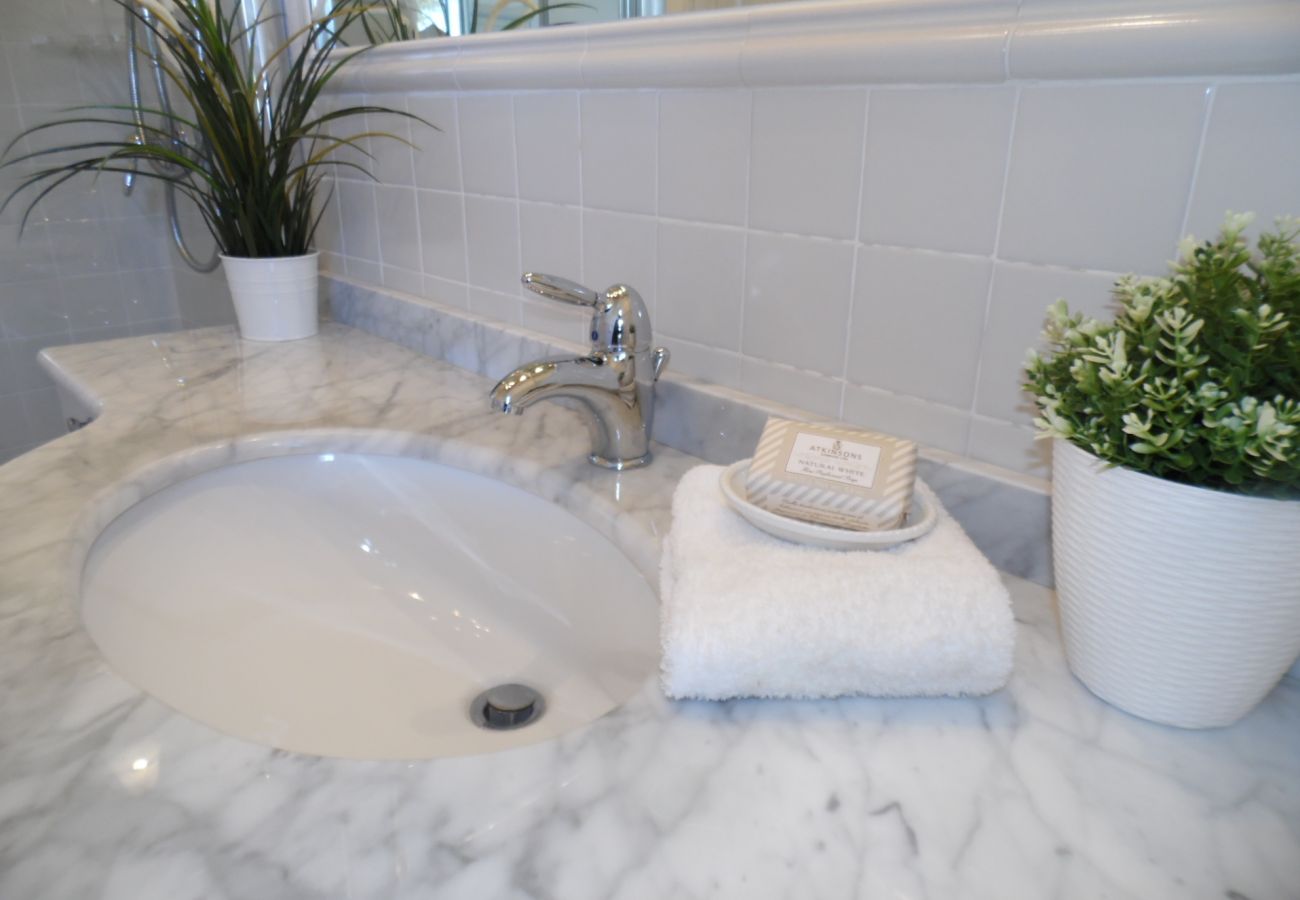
(356, 605)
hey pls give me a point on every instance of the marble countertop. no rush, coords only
(1038, 791)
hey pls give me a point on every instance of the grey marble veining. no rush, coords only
(1006, 514)
(1038, 791)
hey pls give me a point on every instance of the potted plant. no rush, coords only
(250, 148)
(1176, 480)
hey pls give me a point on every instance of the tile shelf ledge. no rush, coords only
(828, 42)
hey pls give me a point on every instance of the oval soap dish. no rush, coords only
(921, 518)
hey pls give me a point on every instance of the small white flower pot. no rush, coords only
(1178, 604)
(275, 297)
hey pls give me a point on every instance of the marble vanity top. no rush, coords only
(1038, 791)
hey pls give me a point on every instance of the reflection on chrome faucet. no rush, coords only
(614, 383)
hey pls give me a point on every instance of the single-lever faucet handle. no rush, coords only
(619, 321)
(557, 288)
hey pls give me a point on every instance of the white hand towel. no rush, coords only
(745, 614)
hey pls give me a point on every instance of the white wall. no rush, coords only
(876, 253)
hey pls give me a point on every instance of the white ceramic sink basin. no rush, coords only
(354, 606)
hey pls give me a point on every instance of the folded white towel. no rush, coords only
(745, 614)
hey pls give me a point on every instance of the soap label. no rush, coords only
(832, 475)
(844, 462)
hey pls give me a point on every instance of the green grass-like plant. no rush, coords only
(249, 145)
(1197, 379)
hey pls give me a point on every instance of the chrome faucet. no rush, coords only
(615, 383)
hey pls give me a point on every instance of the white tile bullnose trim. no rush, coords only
(857, 42)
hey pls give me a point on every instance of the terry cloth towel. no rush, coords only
(745, 614)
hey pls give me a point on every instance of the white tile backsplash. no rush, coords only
(704, 155)
(884, 255)
(399, 229)
(442, 233)
(806, 161)
(797, 301)
(700, 283)
(492, 239)
(548, 136)
(1100, 174)
(487, 143)
(934, 167)
(619, 150)
(916, 323)
(1250, 157)
(437, 144)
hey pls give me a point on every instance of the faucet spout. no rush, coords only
(547, 378)
(605, 386)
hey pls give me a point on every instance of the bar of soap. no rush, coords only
(859, 480)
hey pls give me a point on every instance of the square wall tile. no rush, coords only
(931, 424)
(437, 144)
(548, 141)
(620, 249)
(935, 164)
(356, 200)
(700, 283)
(149, 295)
(550, 240)
(393, 155)
(1249, 162)
(442, 233)
(492, 235)
(704, 155)
(806, 161)
(619, 131)
(917, 318)
(33, 309)
(94, 301)
(797, 301)
(487, 143)
(1017, 313)
(1100, 175)
(87, 248)
(399, 230)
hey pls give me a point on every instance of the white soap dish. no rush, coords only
(920, 520)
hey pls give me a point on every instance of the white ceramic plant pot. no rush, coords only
(274, 296)
(1178, 604)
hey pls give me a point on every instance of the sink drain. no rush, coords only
(507, 706)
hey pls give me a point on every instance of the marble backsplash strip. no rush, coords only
(1006, 514)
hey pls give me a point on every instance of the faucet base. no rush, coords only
(618, 465)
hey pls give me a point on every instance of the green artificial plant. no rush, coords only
(1197, 379)
(252, 145)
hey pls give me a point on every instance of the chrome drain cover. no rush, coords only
(507, 706)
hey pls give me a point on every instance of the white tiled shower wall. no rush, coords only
(93, 264)
(883, 255)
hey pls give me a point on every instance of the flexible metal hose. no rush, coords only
(141, 137)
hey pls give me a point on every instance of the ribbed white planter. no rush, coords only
(275, 297)
(1178, 604)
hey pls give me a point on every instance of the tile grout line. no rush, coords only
(993, 268)
(857, 253)
(1212, 91)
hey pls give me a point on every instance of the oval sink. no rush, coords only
(355, 606)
